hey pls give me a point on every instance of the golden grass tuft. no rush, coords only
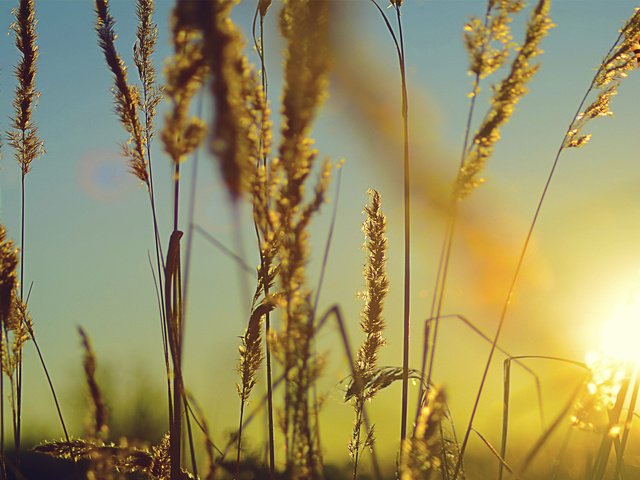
(185, 72)
(98, 426)
(126, 97)
(8, 276)
(506, 95)
(143, 49)
(372, 321)
(24, 135)
(614, 68)
(421, 454)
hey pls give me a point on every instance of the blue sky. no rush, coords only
(89, 230)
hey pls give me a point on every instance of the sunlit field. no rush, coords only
(319, 239)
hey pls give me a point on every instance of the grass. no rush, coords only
(270, 163)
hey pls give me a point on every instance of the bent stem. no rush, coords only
(506, 395)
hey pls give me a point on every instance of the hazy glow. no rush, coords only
(621, 332)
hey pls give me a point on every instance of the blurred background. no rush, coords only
(89, 231)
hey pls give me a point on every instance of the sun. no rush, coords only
(620, 337)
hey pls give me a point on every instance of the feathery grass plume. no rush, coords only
(153, 462)
(8, 277)
(126, 97)
(421, 454)
(24, 134)
(489, 42)
(101, 462)
(251, 352)
(98, 426)
(612, 71)
(186, 72)
(251, 356)
(505, 97)
(372, 321)
(19, 325)
(23, 138)
(143, 49)
(239, 106)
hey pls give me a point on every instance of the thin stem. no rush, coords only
(176, 194)
(49, 381)
(356, 454)
(407, 236)
(242, 402)
(399, 44)
(259, 45)
(3, 471)
(18, 407)
(192, 450)
(545, 436)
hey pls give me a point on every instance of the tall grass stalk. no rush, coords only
(372, 320)
(24, 139)
(258, 42)
(399, 44)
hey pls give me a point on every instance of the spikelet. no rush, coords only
(143, 49)
(23, 137)
(304, 24)
(613, 69)
(20, 326)
(421, 453)
(489, 42)
(240, 106)
(98, 426)
(186, 72)
(75, 449)
(372, 321)
(377, 286)
(251, 354)
(8, 277)
(153, 462)
(238, 99)
(505, 97)
(126, 97)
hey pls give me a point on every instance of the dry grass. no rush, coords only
(210, 59)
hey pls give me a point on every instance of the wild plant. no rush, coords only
(372, 322)
(27, 146)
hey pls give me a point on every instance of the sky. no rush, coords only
(88, 229)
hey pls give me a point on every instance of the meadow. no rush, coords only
(319, 239)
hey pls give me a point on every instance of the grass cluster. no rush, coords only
(276, 169)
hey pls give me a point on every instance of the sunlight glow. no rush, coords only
(621, 333)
